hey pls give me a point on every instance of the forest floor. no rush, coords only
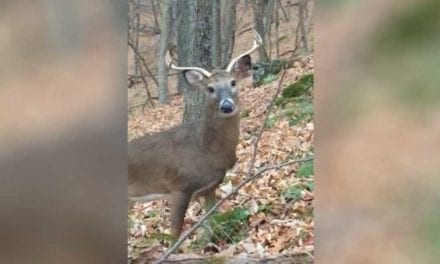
(270, 216)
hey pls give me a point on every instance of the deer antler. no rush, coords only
(169, 61)
(257, 43)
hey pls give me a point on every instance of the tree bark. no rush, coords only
(216, 34)
(267, 22)
(302, 11)
(134, 25)
(200, 46)
(164, 43)
(229, 16)
(259, 7)
(184, 44)
(277, 22)
(153, 7)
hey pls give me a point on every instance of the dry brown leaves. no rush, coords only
(276, 232)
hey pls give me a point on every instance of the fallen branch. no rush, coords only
(294, 258)
(249, 177)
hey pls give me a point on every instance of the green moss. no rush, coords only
(293, 193)
(303, 112)
(265, 73)
(229, 227)
(306, 170)
(271, 121)
(300, 87)
(265, 208)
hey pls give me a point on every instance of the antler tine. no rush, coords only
(169, 61)
(257, 43)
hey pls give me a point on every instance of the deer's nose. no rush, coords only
(227, 106)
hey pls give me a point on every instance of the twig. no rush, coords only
(153, 98)
(260, 133)
(249, 178)
(149, 99)
(288, 51)
(244, 31)
(144, 63)
(286, 17)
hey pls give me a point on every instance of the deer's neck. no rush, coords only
(219, 134)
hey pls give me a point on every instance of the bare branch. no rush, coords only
(156, 23)
(260, 133)
(144, 63)
(142, 76)
(286, 17)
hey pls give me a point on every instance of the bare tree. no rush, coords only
(216, 34)
(302, 25)
(228, 17)
(142, 76)
(134, 25)
(277, 22)
(153, 7)
(280, 5)
(164, 43)
(259, 7)
(267, 22)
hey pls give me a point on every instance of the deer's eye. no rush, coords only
(210, 89)
(233, 83)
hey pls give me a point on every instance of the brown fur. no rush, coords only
(188, 159)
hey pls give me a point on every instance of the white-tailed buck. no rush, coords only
(193, 158)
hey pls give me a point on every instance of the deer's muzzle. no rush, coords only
(227, 106)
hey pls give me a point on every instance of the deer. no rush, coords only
(192, 159)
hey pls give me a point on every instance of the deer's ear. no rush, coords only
(242, 68)
(192, 76)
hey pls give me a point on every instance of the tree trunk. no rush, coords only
(258, 7)
(286, 17)
(153, 7)
(302, 24)
(164, 43)
(277, 22)
(267, 22)
(228, 14)
(216, 34)
(200, 51)
(184, 44)
(135, 25)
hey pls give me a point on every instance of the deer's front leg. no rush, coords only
(179, 204)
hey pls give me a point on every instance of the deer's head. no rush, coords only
(220, 85)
